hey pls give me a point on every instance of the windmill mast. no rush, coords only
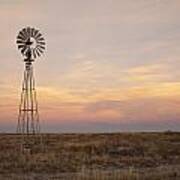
(31, 43)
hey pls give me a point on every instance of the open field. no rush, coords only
(123, 156)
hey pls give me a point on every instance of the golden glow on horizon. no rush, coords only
(65, 104)
(61, 104)
(52, 95)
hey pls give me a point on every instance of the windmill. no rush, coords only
(31, 45)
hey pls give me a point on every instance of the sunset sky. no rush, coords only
(109, 65)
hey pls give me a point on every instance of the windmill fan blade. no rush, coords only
(38, 36)
(41, 47)
(20, 46)
(41, 43)
(37, 52)
(29, 31)
(20, 37)
(20, 42)
(23, 50)
(41, 51)
(35, 33)
(25, 33)
(34, 54)
(22, 34)
(40, 39)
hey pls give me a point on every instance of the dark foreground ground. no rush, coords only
(121, 156)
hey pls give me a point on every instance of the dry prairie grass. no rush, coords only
(135, 156)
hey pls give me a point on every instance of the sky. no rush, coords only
(109, 65)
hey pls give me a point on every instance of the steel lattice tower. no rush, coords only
(28, 119)
(31, 43)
